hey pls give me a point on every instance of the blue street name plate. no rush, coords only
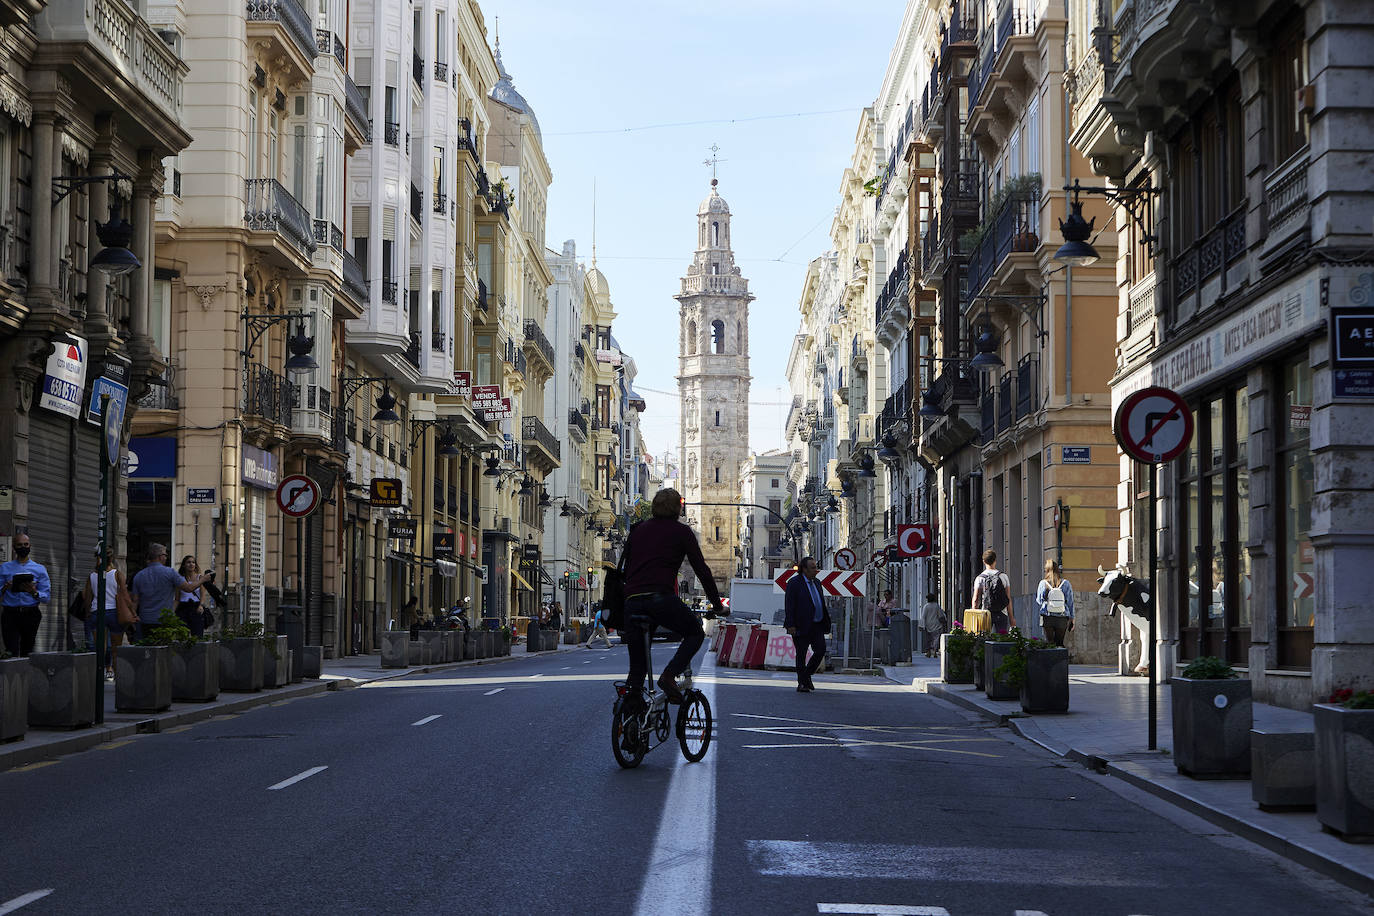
(1352, 383)
(200, 496)
(1075, 454)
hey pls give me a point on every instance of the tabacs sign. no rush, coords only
(386, 492)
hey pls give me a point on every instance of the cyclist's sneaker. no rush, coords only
(634, 701)
(670, 690)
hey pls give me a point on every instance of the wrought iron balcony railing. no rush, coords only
(292, 16)
(535, 335)
(269, 207)
(532, 429)
(268, 395)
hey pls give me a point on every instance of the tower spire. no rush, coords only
(713, 161)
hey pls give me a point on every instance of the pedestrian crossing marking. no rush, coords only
(817, 734)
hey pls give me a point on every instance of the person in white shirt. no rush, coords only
(992, 592)
(933, 623)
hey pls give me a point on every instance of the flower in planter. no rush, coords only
(1352, 699)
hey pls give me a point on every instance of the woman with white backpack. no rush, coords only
(1054, 597)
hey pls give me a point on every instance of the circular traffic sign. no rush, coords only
(1154, 425)
(298, 496)
(845, 558)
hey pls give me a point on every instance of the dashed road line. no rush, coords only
(533, 676)
(490, 692)
(880, 909)
(426, 720)
(33, 766)
(297, 778)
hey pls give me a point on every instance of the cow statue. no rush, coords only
(1132, 596)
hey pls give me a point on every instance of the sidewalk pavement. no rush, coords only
(1106, 729)
(40, 746)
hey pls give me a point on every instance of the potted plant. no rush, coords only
(1040, 671)
(1344, 727)
(1212, 717)
(996, 648)
(956, 655)
(507, 634)
(194, 662)
(14, 697)
(241, 657)
(143, 672)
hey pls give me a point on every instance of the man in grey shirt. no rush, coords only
(156, 588)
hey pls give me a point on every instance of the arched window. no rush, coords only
(718, 336)
(715, 234)
(691, 338)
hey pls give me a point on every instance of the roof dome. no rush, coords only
(599, 284)
(505, 93)
(713, 203)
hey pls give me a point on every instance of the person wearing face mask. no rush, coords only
(24, 586)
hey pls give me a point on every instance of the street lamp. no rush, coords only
(299, 344)
(1077, 251)
(115, 259)
(350, 385)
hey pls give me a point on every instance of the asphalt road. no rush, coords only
(492, 790)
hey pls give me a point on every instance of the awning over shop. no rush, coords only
(521, 580)
(446, 568)
(545, 577)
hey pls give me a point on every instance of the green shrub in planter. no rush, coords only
(956, 656)
(996, 648)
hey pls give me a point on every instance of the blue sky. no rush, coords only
(606, 66)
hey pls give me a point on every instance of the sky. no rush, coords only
(630, 97)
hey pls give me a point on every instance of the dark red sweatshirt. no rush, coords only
(655, 552)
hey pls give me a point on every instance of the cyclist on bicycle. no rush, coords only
(654, 552)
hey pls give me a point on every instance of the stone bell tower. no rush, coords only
(713, 383)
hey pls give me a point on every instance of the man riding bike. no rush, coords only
(654, 552)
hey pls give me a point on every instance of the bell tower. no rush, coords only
(713, 382)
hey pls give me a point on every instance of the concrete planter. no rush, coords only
(1047, 681)
(241, 664)
(143, 678)
(14, 698)
(1212, 721)
(453, 647)
(1283, 774)
(535, 639)
(436, 646)
(485, 643)
(395, 648)
(469, 639)
(954, 671)
(312, 661)
(195, 672)
(1345, 764)
(979, 670)
(993, 655)
(276, 666)
(61, 689)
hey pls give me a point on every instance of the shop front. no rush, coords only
(258, 473)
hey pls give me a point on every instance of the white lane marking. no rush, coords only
(881, 909)
(533, 676)
(490, 692)
(566, 668)
(1031, 913)
(678, 879)
(963, 864)
(297, 778)
(9, 906)
(426, 720)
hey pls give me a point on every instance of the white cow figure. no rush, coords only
(1132, 596)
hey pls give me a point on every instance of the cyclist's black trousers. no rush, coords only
(669, 612)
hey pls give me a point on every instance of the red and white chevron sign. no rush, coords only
(842, 583)
(836, 583)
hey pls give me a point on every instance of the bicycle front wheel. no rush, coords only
(625, 739)
(694, 726)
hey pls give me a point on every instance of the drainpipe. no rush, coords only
(1068, 274)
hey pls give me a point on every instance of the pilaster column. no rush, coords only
(140, 291)
(97, 315)
(43, 255)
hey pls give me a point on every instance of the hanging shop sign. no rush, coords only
(401, 528)
(259, 467)
(443, 543)
(386, 492)
(1352, 352)
(64, 379)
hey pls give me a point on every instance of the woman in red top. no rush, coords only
(654, 552)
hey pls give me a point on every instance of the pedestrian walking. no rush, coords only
(992, 592)
(115, 591)
(157, 587)
(1054, 597)
(933, 623)
(807, 621)
(599, 627)
(24, 585)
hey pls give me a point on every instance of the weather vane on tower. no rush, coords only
(713, 161)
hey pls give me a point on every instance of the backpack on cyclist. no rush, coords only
(613, 592)
(994, 597)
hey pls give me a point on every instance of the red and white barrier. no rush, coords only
(781, 651)
(758, 645)
(740, 644)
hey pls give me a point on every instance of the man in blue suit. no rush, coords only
(807, 621)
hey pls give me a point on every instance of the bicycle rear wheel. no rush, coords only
(626, 742)
(694, 726)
